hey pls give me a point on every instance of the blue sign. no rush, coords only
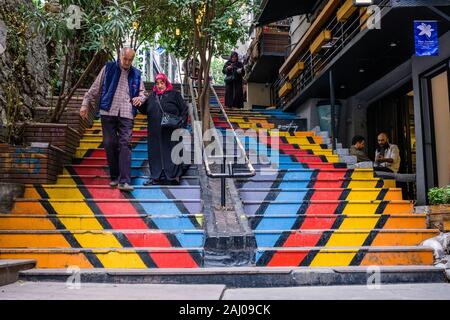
(426, 38)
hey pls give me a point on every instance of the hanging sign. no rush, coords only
(426, 38)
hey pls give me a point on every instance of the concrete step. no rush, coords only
(306, 165)
(301, 173)
(9, 269)
(102, 238)
(343, 238)
(339, 221)
(100, 170)
(106, 192)
(91, 222)
(134, 258)
(293, 182)
(136, 180)
(107, 206)
(347, 256)
(247, 277)
(260, 194)
(327, 207)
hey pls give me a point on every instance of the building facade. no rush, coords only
(365, 57)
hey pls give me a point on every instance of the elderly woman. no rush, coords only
(234, 73)
(164, 101)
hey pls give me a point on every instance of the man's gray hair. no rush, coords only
(127, 49)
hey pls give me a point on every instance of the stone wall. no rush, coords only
(35, 89)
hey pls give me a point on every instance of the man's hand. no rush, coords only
(84, 112)
(137, 102)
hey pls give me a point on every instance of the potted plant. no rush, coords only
(439, 209)
(439, 197)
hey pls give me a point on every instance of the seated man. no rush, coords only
(387, 156)
(358, 143)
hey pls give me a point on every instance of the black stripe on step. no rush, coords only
(338, 222)
(382, 221)
(381, 207)
(306, 262)
(369, 240)
(341, 206)
(358, 258)
(70, 238)
(382, 194)
(324, 238)
(344, 194)
(265, 258)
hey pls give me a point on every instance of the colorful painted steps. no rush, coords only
(317, 212)
(343, 238)
(101, 238)
(319, 194)
(105, 180)
(82, 221)
(90, 222)
(337, 221)
(334, 257)
(124, 258)
(327, 207)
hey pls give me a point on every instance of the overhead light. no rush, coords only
(362, 3)
(361, 70)
(393, 44)
(342, 86)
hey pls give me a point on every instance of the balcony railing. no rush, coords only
(345, 25)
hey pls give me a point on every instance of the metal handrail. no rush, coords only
(251, 169)
(193, 112)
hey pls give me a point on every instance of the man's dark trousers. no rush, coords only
(117, 133)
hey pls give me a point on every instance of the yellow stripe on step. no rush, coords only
(341, 239)
(326, 258)
(81, 208)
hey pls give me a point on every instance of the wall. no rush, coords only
(34, 91)
(299, 26)
(257, 94)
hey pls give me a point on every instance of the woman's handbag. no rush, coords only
(229, 78)
(169, 120)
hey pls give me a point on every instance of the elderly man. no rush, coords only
(121, 90)
(387, 156)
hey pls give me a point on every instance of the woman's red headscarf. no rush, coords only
(164, 78)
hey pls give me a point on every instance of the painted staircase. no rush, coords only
(311, 210)
(80, 221)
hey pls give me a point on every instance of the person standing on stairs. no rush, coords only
(121, 90)
(234, 73)
(164, 100)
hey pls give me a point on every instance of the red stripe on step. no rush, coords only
(299, 239)
(143, 240)
(181, 259)
(317, 223)
(287, 259)
(120, 224)
(326, 195)
(327, 184)
(322, 208)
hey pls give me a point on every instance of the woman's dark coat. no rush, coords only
(159, 139)
(234, 92)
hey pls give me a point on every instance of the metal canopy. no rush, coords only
(281, 9)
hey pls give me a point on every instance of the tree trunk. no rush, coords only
(75, 87)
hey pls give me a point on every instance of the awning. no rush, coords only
(275, 10)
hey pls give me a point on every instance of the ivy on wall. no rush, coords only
(14, 112)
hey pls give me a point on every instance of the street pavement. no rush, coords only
(93, 291)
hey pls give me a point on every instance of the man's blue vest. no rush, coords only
(111, 80)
